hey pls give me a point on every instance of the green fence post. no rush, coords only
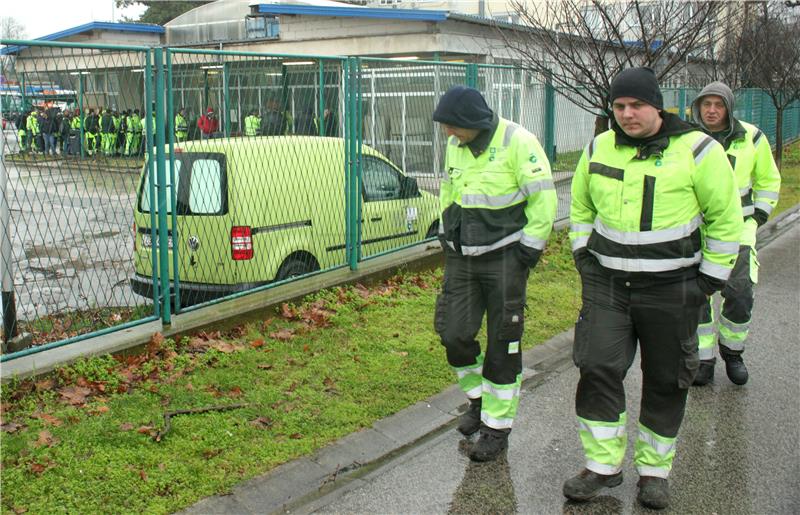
(22, 107)
(226, 97)
(285, 97)
(161, 174)
(81, 117)
(472, 75)
(172, 193)
(550, 118)
(682, 103)
(359, 142)
(321, 107)
(155, 248)
(353, 222)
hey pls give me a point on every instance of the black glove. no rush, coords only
(527, 255)
(709, 285)
(761, 216)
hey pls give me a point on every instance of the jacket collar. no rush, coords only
(653, 145)
(481, 142)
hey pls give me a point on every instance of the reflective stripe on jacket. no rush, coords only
(503, 196)
(672, 211)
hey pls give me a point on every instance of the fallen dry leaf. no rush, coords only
(224, 347)
(47, 419)
(282, 335)
(44, 385)
(75, 395)
(127, 426)
(288, 312)
(46, 439)
(39, 468)
(265, 366)
(11, 427)
(261, 422)
(235, 392)
(296, 436)
(143, 475)
(99, 410)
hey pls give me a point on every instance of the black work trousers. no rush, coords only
(493, 284)
(663, 319)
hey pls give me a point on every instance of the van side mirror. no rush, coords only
(409, 188)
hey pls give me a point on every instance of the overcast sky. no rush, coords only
(43, 17)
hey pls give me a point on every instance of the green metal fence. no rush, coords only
(69, 172)
(236, 171)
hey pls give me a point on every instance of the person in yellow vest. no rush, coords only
(134, 134)
(655, 225)
(252, 124)
(32, 125)
(758, 182)
(181, 126)
(498, 203)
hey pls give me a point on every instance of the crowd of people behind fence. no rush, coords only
(113, 133)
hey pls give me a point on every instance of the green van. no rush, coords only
(251, 211)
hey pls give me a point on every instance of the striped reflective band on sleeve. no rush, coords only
(714, 270)
(746, 190)
(648, 265)
(530, 241)
(662, 448)
(481, 199)
(702, 147)
(723, 247)
(748, 210)
(647, 237)
(511, 128)
(477, 250)
(581, 227)
(579, 242)
(772, 195)
(602, 432)
(763, 206)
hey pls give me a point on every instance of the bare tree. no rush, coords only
(771, 42)
(10, 28)
(582, 44)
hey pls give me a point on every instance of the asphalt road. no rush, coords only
(738, 449)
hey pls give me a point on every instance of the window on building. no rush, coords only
(259, 27)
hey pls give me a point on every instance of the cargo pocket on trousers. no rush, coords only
(690, 362)
(513, 322)
(581, 338)
(440, 315)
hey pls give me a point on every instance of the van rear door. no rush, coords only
(203, 236)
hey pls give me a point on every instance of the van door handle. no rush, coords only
(376, 219)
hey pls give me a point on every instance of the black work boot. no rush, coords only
(588, 484)
(489, 446)
(470, 421)
(734, 366)
(653, 492)
(705, 374)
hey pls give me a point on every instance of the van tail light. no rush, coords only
(134, 236)
(241, 243)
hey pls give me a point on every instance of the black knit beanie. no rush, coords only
(638, 83)
(465, 108)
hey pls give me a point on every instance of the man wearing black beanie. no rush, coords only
(655, 223)
(498, 206)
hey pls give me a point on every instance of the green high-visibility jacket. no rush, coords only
(252, 125)
(757, 176)
(668, 212)
(181, 126)
(32, 124)
(75, 125)
(134, 123)
(503, 196)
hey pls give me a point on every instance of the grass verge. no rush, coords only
(84, 439)
(790, 179)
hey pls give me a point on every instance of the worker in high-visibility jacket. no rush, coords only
(498, 204)
(133, 137)
(34, 130)
(758, 182)
(181, 127)
(655, 225)
(252, 124)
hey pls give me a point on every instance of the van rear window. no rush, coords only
(200, 181)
